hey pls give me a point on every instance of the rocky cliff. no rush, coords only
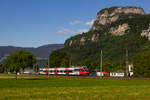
(146, 32)
(117, 21)
(109, 15)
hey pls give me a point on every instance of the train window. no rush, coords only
(78, 70)
(45, 71)
(55, 70)
(70, 71)
(51, 71)
(61, 71)
(66, 71)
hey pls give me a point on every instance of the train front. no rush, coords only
(82, 71)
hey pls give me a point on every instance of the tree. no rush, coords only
(108, 66)
(19, 59)
(92, 65)
(65, 62)
(1, 68)
(142, 64)
(59, 58)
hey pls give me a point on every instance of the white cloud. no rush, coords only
(80, 31)
(90, 23)
(63, 31)
(68, 31)
(75, 22)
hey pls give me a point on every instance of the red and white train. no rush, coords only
(64, 71)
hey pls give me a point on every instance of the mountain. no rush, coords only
(115, 30)
(110, 15)
(40, 52)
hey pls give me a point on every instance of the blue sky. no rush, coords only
(32, 23)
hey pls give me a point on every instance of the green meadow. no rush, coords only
(72, 88)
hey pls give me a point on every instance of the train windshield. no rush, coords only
(79, 70)
(41, 69)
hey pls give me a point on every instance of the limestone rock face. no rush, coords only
(109, 15)
(95, 37)
(146, 33)
(70, 43)
(119, 30)
(115, 21)
(82, 40)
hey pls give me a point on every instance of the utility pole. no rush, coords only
(101, 63)
(48, 66)
(36, 67)
(127, 62)
(70, 62)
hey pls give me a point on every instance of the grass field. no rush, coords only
(71, 88)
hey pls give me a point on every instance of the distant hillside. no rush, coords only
(39, 52)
